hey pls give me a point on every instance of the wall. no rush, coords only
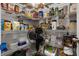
(0, 28)
(78, 29)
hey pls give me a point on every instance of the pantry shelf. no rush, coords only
(10, 51)
(35, 19)
(58, 30)
(19, 15)
(63, 31)
(14, 32)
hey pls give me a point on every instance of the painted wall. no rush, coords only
(78, 29)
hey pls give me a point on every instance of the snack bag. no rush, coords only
(16, 25)
(7, 25)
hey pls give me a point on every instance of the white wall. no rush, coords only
(0, 28)
(0, 24)
(78, 28)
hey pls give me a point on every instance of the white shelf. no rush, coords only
(61, 31)
(26, 16)
(14, 32)
(13, 50)
(57, 30)
(39, 18)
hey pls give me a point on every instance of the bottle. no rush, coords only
(40, 13)
(54, 25)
